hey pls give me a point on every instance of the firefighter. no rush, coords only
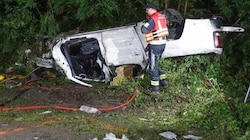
(156, 31)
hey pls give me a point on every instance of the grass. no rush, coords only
(192, 104)
(138, 121)
(173, 110)
(176, 111)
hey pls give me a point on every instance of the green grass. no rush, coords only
(194, 103)
(207, 116)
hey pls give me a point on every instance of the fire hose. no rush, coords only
(82, 108)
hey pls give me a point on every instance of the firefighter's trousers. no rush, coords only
(158, 76)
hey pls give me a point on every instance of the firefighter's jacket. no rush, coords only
(156, 29)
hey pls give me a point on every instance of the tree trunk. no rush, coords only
(179, 5)
(166, 4)
(185, 8)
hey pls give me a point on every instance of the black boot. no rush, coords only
(154, 89)
(164, 82)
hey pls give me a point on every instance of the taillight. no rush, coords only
(217, 40)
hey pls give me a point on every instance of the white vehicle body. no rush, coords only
(118, 46)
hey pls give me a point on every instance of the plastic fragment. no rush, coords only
(192, 137)
(19, 119)
(46, 112)
(169, 135)
(36, 138)
(143, 119)
(89, 109)
(124, 137)
(111, 136)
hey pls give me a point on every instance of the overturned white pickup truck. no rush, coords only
(93, 56)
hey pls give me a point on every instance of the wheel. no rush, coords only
(175, 23)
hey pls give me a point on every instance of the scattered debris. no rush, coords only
(10, 70)
(46, 63)
(192, 137)
(169, 135)
(143, 119)
(19, 64)
(46, 112)
(111, 136)
(5, 124)
(36, 138)
(19, 119)
(99, 110)
(28, 51)
(89, 109)
(12, 84)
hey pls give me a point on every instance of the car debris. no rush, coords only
(192, 137)
(111, 136)
(12, 84)
(169, 135)
(46, 112)
(88, 109)
(19, 119)
(96, 55)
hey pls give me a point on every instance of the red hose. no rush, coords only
(65, 108)
(122, 105)
(73, 109)
(23, 108)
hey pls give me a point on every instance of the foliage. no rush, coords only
(234, 10)
(205, 91)
(17, 27)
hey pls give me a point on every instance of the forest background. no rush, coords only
(22, 21)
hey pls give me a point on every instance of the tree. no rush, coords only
(18, 25)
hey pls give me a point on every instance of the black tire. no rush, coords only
(176, 18)
(175, 23)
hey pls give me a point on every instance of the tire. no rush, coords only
(175, 23)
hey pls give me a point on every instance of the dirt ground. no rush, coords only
(17, 131)
(72, 96)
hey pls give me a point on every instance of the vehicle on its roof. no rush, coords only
(95, 55)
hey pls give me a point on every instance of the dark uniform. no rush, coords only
(156, 32)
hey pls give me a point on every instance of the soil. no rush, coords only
(72, 96)
(30, 132)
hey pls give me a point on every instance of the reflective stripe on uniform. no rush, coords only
(163, 76)
(157, 34)
(161, 32)
(146, 24)
(157, 42)
(155, 83)
(152, 60)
